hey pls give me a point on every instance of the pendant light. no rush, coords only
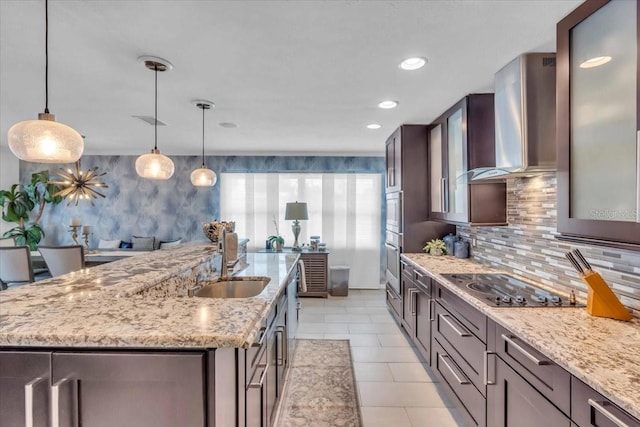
(45, 140)
(203, 177)
(155, 165)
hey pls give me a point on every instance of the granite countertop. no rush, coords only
(140, 302)
(604, 353)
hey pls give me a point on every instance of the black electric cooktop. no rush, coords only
(503, 290)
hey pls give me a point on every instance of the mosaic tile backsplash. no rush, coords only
(528, 247)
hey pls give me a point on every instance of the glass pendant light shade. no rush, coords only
(203, 177)
(154, 165)
(45, 141)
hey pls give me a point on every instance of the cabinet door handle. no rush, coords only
(280, 361)
(55, 402)
(432, 309)
(443, 191)
(260, 383)
(462, 379)
(600, 408)
(28, 400)
(486, 368)
(412, 301)
(463, 333)
(525, 353)
(262, 334)
(391, 296)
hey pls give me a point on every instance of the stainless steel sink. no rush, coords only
(233, 287)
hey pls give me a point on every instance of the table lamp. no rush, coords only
(296, 211)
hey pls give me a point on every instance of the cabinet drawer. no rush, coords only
(590, 408)
(460, 344)
(549, 379)
(468, 399)
(406, 269)
(421, 279)
(470, 317)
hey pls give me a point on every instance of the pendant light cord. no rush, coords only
(46, 56)
(155, 122)
(203, 108)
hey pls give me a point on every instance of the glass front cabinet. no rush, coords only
(598, 122)
(460, 140)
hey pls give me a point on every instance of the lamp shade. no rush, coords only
(296, 210)
(154, 165)
(45, 141)
(203, 177)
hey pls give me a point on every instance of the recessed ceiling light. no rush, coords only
(228, 125)
(595, 62)
(388, 104)
(411, 64)
(373, 126)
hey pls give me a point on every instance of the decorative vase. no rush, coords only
(213, 229)
(436, 251)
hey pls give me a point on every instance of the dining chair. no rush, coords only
(7, 241)
(15, 265)
(62, 259)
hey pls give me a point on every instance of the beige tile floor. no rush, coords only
(394, 387)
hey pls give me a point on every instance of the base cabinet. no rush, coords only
(590, 408)
(24, 388)
(513, 402)
(394, 302)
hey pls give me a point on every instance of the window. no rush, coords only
(344, 210)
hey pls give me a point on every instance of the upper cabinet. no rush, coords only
(462, 139)
(598, 120)
(393, 161)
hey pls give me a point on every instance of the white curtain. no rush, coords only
(344, 210)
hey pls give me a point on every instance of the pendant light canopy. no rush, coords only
(155, 165)
(203, 177)
(44, 140)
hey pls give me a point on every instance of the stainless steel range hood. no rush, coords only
(525, 118)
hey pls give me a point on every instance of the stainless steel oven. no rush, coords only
(392, 271)
(394, 212)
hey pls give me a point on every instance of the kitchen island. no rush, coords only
(602, 353)
(123, 341)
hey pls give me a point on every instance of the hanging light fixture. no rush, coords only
(203, 177)
(45, 140)
(155, 165)
(79, 186)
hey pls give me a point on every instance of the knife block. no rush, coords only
(601, 301)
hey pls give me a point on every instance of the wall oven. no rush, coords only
(394, 212)
(392, 271)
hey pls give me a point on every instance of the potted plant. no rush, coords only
(18, 202)
(435, 247)
(276, 241)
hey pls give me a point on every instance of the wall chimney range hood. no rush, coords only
(525, 118)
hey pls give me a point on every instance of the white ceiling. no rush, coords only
(298, 77)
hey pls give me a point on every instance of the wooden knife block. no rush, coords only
(601, 301)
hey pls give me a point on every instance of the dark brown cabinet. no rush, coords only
(316, 267)
(24, 388)
(513, 402)
(408, 178)
(460, 140)
(393, 162)
(590, 408)
(424, 313)
(394, 302)
(459, 333)
(409, 290)
(598, 118)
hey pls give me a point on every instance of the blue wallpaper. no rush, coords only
(173, 209)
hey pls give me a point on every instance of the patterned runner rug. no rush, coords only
(321, 387)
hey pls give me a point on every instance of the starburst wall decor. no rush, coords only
(79, 186)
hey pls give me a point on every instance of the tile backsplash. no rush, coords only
(528, 245)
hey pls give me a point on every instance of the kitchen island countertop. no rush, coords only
(603, 353)
(140, 303)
